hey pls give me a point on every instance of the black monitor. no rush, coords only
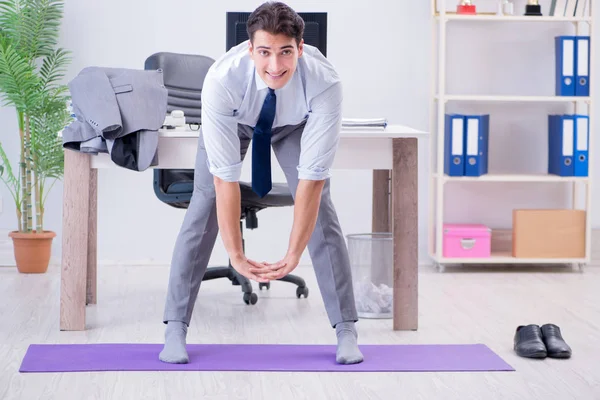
(315, 29)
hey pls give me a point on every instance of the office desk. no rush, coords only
(390, 153)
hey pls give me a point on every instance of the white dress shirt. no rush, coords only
(233, 93)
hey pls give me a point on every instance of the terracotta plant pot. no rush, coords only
(32, 251)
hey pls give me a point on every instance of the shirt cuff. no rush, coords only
(231, 173)
(313, 173)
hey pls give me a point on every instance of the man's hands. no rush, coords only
(276, 270)
(245, 267)
(265, 272)
(306, 207)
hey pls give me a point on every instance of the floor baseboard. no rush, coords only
(7, 258)
(7, 255)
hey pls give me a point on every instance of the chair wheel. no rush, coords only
(301, 291)
(250, 298)
(264, 285)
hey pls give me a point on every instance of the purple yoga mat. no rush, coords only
(263, 357)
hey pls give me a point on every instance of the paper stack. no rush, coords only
(362, 123)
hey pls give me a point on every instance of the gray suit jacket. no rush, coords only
(119, 111)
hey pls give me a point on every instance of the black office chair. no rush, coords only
(183, 76)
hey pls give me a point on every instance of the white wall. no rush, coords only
(382, 50)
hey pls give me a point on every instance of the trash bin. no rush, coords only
(371, 259)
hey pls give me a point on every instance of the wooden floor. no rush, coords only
(459, 305)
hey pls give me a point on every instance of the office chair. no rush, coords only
(183, 76)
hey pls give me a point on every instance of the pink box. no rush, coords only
(467, 241)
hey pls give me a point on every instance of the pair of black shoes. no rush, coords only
(533, 341)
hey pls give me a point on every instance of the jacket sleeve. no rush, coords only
(95, 98)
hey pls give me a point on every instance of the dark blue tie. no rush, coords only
(261, 147)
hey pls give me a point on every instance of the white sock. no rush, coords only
(347, 347)
(174, 350)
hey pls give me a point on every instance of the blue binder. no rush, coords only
(454, 145)
(580, 156)
(561, 136)
(564, 47)
(582, 66)
(477, 129)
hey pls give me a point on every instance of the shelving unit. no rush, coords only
(508, 18)
(504, 257)
(439, 99)
(512, 178)
(537, 99)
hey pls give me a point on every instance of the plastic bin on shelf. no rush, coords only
(371, 259)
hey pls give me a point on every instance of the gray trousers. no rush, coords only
(327, 246)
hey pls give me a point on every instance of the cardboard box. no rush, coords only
(548, 233)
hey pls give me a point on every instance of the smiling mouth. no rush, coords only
(277, 76)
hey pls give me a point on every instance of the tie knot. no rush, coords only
(271, 92)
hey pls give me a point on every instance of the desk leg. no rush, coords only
(92, 256)
(76, 203)
(381, 201)
(406, 233)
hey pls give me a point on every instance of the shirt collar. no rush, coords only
(260, 84)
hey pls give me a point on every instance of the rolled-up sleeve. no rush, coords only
(219, 130)
(321, 134)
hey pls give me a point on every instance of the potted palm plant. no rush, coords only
(31, 69)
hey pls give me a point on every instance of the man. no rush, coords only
(277, 91)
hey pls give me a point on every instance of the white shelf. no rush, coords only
(514, 178)
(440, 99)
(507, 258)
(539, 99)
(511, 18)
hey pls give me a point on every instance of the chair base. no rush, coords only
(249, 296)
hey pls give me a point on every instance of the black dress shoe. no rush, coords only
(555, 344)
(528, 342)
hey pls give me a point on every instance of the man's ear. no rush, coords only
(300, 48)
(250, 48)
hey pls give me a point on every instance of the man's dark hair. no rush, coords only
(276, 18)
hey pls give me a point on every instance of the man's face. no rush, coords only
(275, 57)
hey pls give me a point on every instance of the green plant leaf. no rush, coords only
(17, 78)
(33, 26)
(53, 68)
(7, 175)
(46, 146)
(45, 23)
(31, 69)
